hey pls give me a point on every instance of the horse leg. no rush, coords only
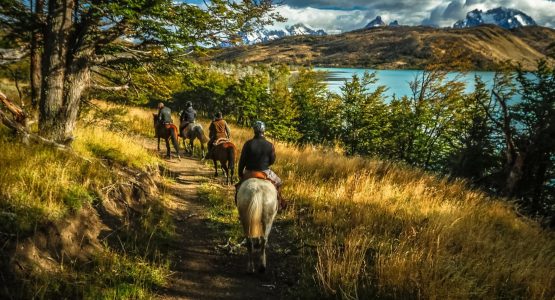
(250, 247)
(192, 146)
(202, 149)
(168, 150)
(215, 168)
(158, 143)
(231, 167)
(262, 267)
(226, 171)
(173, 136)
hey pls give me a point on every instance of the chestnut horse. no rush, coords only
(226, 154)
(161, 131)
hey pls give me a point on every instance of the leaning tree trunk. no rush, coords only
(65, 73)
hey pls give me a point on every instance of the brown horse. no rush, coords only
(167, 133)
(226, 154)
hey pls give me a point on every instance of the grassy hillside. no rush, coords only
(73, 224)
(363, 228)
(400, 48)
(367, 228)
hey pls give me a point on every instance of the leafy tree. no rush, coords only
(365, 115)
(282, 114)
(435, 103)
(77, 37)
(250, 98)
(319, 112)
(527, 133)
(477, 155)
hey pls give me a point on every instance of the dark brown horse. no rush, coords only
(166, 132)
(225, 153)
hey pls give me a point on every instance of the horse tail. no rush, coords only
(203, 139)
(251, 212)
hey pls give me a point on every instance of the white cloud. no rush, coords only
(405, 12)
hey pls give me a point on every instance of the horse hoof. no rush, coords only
(262, 269)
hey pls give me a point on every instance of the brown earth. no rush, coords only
(404, 47)
(205, 264)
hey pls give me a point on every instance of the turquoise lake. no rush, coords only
(397, 81)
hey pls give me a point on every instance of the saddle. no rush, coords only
(254, 174)
(221, 141)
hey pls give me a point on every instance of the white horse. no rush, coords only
(258, 205)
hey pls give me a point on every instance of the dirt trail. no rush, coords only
(201, 268)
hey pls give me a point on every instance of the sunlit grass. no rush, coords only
(387, 230)
(384, 229)
(97, 142)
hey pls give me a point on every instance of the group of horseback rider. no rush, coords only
(257, 154)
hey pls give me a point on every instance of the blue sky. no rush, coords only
(346, 15)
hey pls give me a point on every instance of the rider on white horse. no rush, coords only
(187, 117)
(258, 154)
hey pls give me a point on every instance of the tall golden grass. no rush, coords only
(40, 185)
(387, 230)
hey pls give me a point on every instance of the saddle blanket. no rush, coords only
(221, 141)
(173, 127)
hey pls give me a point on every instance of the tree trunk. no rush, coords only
(53, 106)
(35, 66)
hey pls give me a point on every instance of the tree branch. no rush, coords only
(11, 55)
(109, 88)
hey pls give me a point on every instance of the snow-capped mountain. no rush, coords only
(394, 24)
(266, 35)
(504, 17)
(377, 22)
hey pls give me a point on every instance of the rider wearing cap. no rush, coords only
(218, 130)
(258, 154)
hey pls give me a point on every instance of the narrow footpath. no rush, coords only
(202, 266)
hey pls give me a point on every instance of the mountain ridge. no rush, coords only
(508, 18)
(402, 47)
(267, 35)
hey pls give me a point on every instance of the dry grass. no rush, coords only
(40, 186)
(386, 230)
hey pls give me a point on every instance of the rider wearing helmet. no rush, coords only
(187, 117)
(258, 154)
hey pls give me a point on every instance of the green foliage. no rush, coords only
(477, 156)
(76, 196)
(250, 99)
(365, 116)
(282, 112)
(319, 112)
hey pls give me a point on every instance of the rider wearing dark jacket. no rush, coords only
(188, 115)
(165, 121)
(258, 154)
(164, 114)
